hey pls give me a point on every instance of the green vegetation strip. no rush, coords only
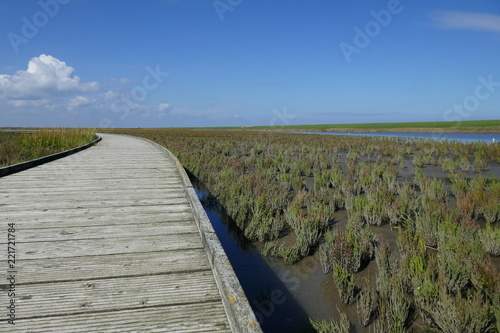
(18, 147)
(472, 126)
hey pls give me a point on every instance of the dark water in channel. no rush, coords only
(267, 288)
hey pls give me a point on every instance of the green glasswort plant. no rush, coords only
(332, 326)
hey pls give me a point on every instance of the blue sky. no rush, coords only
(174, 63)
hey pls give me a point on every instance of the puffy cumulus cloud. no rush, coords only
(46, 76)
(49, 88)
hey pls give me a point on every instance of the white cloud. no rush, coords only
(163, 107)
(77, 101)
(467, 21)
(46, 76)
(28, 103)
(111, 95)
(49, 88)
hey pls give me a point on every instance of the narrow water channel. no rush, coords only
(270, 287)
(283, 297)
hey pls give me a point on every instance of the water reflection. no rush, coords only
(211, 204)
(269, 294)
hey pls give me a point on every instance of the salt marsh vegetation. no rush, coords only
(441, 199)
(20, 146)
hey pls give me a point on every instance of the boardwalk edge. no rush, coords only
(239, 312)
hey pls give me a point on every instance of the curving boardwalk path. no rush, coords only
(106, 241)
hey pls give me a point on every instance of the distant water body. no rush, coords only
(462, 137)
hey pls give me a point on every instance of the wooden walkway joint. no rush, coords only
(113, 239)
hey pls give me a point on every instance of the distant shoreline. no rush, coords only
(384, 130)
(469, 126)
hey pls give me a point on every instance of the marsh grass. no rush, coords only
(345, 284)
(332, 326)
(366, 306)
(456, 313)
(459, 253)
(490, 237)
(17, 147)
(350, 248)
(283, 190)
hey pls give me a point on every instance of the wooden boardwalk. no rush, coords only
(106, 241)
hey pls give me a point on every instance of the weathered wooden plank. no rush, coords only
(66, 233)
(158, 166)
(199, 317)
(116, 183)
(146, 163)
(110, 266)
(144, 193)
(119, 220)
(68, 212)
(89, 202)
(101, 175)
(86, 247)
(88, 188)
(52, 198)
